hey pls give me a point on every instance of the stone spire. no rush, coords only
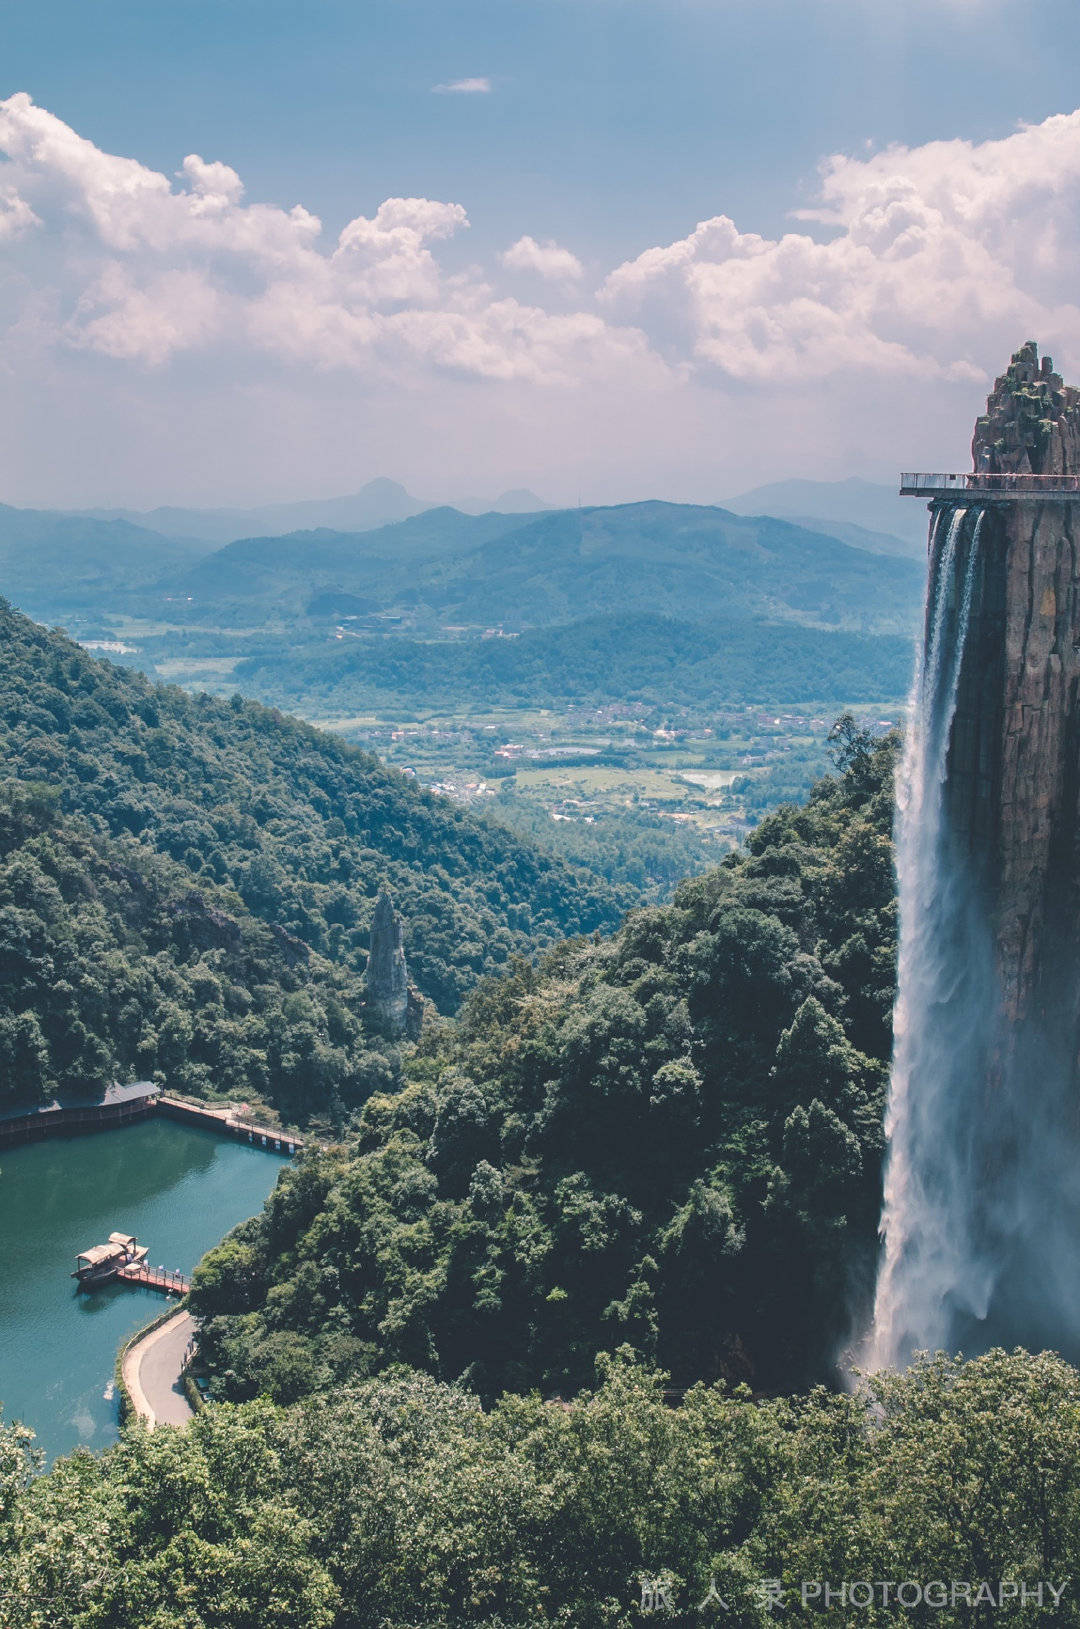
(1022, 689)
(1032, 420)
(986, 1185)
(387, 974)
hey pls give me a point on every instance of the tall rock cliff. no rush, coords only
(387, 973)
(1031, 728)
(1002, 1103)
(982, 1212)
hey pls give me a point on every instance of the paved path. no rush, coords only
(152, 1373)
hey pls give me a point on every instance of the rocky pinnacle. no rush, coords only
(1032, 424)
(387, 974)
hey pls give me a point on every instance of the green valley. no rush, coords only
(629, 687)
(247, 846)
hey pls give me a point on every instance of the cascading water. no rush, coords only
(981, 1220)
(944, 1014)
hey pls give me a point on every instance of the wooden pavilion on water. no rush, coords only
(102, 1262)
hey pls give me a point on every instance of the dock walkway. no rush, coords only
(226, 1119)
(168, 1279)
(123, 1105)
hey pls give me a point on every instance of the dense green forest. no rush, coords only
(635, 848)
(616, 658)
(403, 1504)
(114, 964)
(283, 832)
(508, 1352)
(671, 1138)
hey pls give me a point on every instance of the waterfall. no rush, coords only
(934, 1272)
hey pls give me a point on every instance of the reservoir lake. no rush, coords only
(179, 1188)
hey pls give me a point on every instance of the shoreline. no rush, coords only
(167, 1329)
(130, 1105)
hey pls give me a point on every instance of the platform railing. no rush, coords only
(988, 484)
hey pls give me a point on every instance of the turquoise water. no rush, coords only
(177, 1187)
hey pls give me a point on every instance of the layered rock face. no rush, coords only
(982, 1212)
(1027, 692)
(1008, 998)
(387, 973)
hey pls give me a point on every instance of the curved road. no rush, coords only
(152, 1371)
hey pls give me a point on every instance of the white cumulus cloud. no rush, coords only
(929, 261)
(546, 259)
(146, 271)
(217, 183)
(704, 362)
(16, 216)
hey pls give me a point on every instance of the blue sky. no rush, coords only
(617, 123)
(611, 128)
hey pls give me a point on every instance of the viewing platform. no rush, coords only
(982, 486)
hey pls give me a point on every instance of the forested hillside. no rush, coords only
(670, 1138)
(50, 559)
(402, 1504)
(598, 660)
(658, 1147)
(296, 827)
(115, 964)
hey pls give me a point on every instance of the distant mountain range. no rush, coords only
(48, 559)
(441, 567)
(376, 504)
(676, 560)
(861, 513)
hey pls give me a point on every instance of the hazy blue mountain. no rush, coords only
(860, 538)
(283, 573)
(379, 503)
(837, 506)
(517, 501)
(376, 504)
(693, 563)
(49, 560)
(674, 560)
